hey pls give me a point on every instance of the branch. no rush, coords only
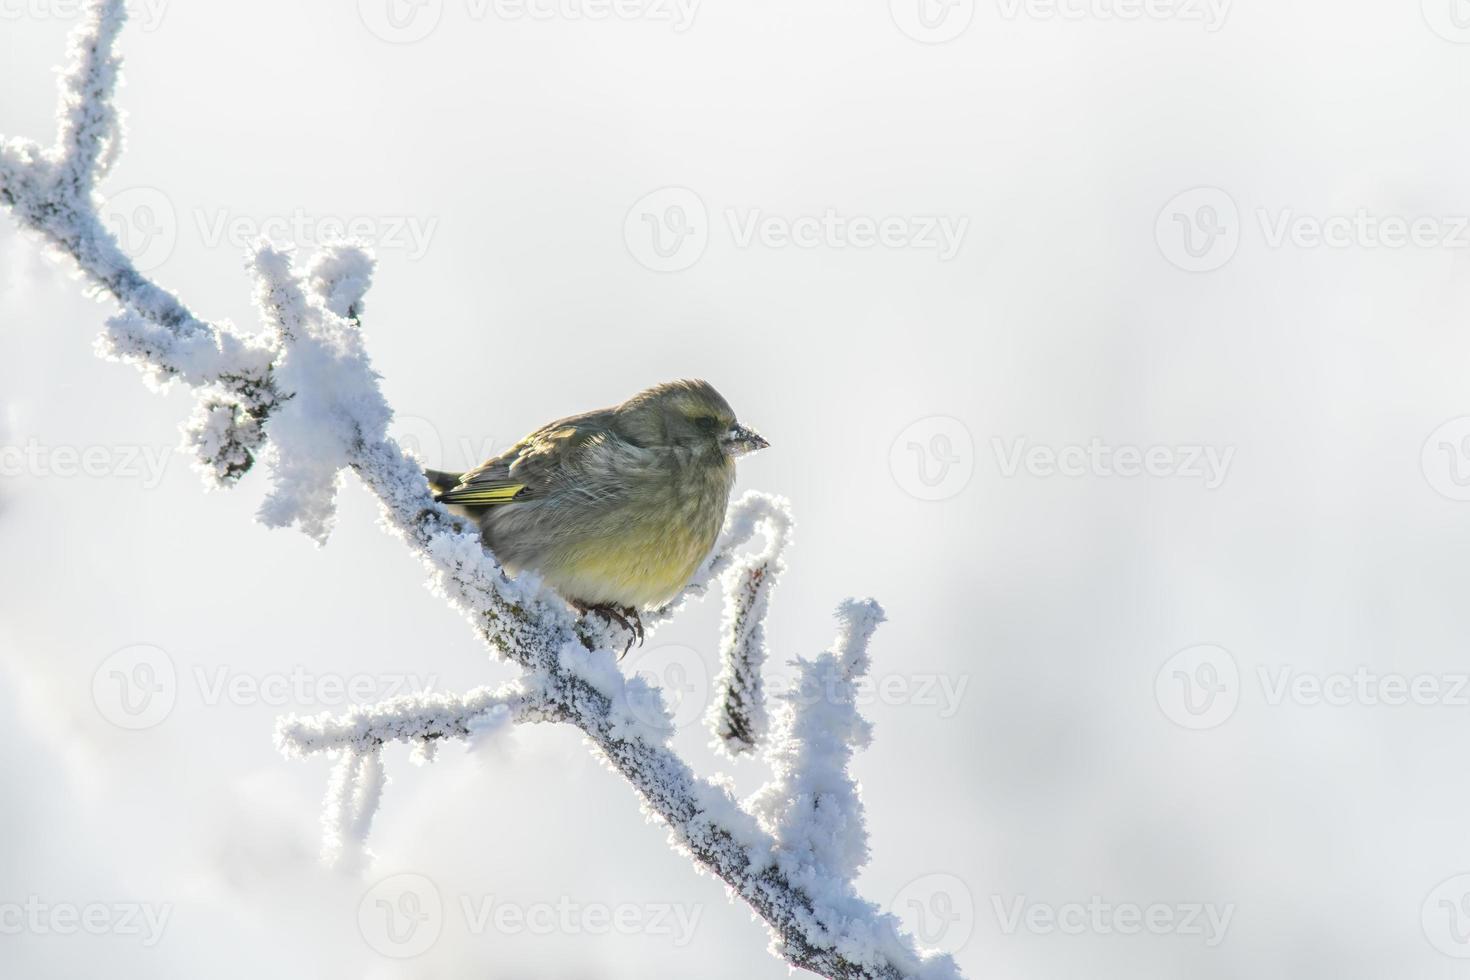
(303, 397)
(811, 804)
(737, 716)
(52, 193)
(413, 718)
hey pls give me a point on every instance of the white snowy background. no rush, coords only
(1030, 740)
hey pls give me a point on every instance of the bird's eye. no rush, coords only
(707, 423)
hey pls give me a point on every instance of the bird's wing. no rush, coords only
(546, 461)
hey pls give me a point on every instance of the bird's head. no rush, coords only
(688, 415)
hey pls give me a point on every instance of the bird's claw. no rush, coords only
(632, 613)
(627, 617)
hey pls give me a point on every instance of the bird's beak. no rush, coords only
(740, 440)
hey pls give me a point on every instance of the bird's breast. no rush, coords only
(638, 547)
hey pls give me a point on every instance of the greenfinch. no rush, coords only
(615, 509)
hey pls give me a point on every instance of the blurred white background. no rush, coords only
(1236, 232)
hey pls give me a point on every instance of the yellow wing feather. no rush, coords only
(483, 496)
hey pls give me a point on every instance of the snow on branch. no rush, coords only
(355, 788)
(303, 397)
(737, 716)
(412, 718)
(812, 804)
(52, 192)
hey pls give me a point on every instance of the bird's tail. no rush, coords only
(440, 481)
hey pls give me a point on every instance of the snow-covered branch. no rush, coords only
(737, 716)
(812, 805)
(413, 718)
(303, 397)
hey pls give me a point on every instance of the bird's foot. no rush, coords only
(625, 616)
(631, 612)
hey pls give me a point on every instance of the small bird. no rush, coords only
(616, 508)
